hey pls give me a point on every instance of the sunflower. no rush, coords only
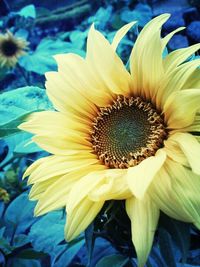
(11, 48)
(120, 135)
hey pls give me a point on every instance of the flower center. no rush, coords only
(127, 132)
(9, 48)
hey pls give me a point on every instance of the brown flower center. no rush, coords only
(9, 48)
(127, 132)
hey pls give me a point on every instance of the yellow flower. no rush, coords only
(11, 48)
(120, 135)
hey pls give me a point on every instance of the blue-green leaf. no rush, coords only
(47, 240)
(41, 60)
(15, 262)
(71, 251)
(28, 11)
(89, 238)
(114, 260)
(19, 214)
(166, 248)
(22, 101)
(141, 13)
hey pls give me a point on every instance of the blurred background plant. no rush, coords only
(47, 28)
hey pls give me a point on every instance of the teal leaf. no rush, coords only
(78, 38)
(22, 33)
(102, 17)
(2, 259)
(102, 248)
(47, 240)
(114, 260)
(2, 207)
(89, 238)
(141, 13)
(15, 105)
(16, 262)
(26, 146)
(41, 60)
(19, 215)
(20, 240)
(5, 246)
(19, 144)
(2, 230)
(10, 127)
(71, 251)
(28, 12)
(22, 101)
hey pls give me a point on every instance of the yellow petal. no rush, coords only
(63, 89)
(87, 81)
(47, 121)
(181, 107)
(56, 194)
(193, 81)
(195, 126)
(63, 146)
(175, 81)
(161, 191)
(186, 186)
(121, 33)
(38, 189)
(113, 186)
(108, 66)
(178, 56)
(79, 218)
(174, 152)
(140, 177)
(86, 184)
(146, 59)
(144, 216)
(56, 133)
(58, 165)
(34, 166)
(190, 147)
(167, 38)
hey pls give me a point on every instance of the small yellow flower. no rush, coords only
(11, 48)
(121, 135)
(4, 196)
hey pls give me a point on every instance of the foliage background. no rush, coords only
(53, 27)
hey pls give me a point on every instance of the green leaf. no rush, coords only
(114, 260)
(31, 254)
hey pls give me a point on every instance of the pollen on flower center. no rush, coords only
(127, 132)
